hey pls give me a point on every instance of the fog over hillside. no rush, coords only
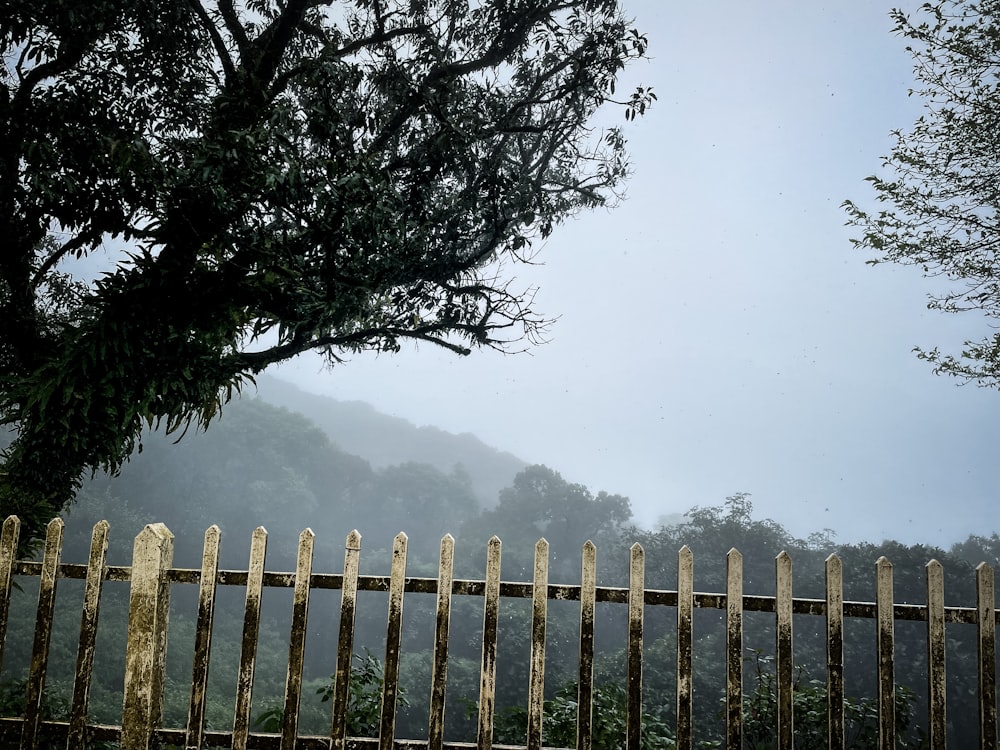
(382, 440)
(345, 466)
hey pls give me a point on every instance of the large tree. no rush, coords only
(940, 189)
(271, 177)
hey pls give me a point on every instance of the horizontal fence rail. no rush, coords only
(151, 577)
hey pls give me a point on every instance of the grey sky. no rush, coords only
(717, 332)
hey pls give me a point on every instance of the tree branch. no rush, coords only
(496, 54)
(270, 46)
(430, 333)
(77, 242)
(281, 81)
(47, 70)
(234, 27)
(220, 46)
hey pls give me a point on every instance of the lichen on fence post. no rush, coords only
(884, 653)
(8, 555)
(248, 646)
(145, 651)
(734, 650)
(585, 690)
(488, 666)
(685, 629)
(986, 648)
(536, 672)
(784, 666)
(835, 653)
(43, 633)
(936, 678)
(88, 635)
(442, 628)
(633, 668)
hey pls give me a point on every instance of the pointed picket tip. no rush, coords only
(883, 562)
(933, 564)
(99, 535)
(353, 540)
(55, 523)
(155, 531)
(54, 537)
(542, 545)
(495, 541)
(783, 557)
(54, 540)
(446, 554)
(399, 546)
(307, 533)
(734, 554)
(685, 549)
(11, 525)
(589, 546)
(984, 567)
(833, 559)
(636, 549)
(210, 549)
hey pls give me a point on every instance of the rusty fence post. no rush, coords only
(145, 651)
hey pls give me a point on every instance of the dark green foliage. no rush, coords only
(979, 549)
(419, 500)
(364, 705)
(259, 465)
(560, 717)
(759, 717)
(364, 700)
(265, 466)
(272, 179)
(13, 697)
(809, 706)
(288, 476)
(712, 532)
(540, 503)
(937, 197)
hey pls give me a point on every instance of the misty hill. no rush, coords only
(383, 440)
(261, 464)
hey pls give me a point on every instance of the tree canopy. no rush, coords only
(540, 503)
(939, 190)
(272, 177)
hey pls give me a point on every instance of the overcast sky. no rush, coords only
(717, 333)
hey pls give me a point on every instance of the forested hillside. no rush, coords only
(263, 465)
(385, 440)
